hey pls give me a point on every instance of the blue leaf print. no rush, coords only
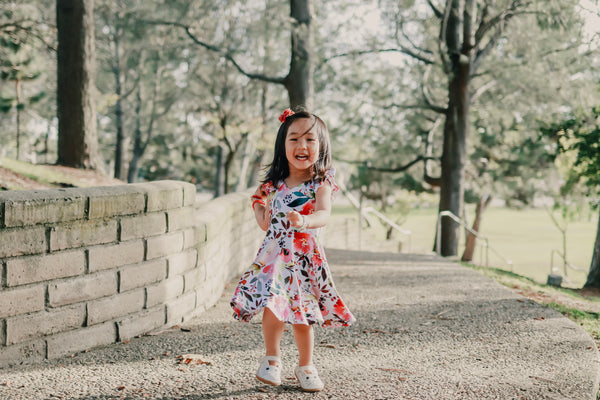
(298, 202)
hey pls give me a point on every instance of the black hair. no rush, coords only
(278, 169)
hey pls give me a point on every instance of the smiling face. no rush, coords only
(301, 145)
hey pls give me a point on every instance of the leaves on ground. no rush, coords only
(193, 359)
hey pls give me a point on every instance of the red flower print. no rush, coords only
(317, 260)
(308, 208)
(302, 242)
(339, 307)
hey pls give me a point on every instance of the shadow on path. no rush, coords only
(426, 328)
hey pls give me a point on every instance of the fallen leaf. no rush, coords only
(193, 359)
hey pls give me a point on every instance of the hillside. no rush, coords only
(20, 175)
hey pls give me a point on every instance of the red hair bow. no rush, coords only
(286, 113)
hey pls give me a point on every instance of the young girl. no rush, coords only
(290, 279)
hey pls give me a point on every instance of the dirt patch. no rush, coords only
(11, 180)
(546, 298)
(86, 177)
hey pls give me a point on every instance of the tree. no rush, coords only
(299, 79)
(579, 135)
(18, 67)
(22, 41)
(77, 142)
(452, 63)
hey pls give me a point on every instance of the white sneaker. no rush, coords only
(309, 378)
(267, 373)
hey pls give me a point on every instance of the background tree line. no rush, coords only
(432, 95)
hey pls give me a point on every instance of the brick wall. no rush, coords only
(88, 267)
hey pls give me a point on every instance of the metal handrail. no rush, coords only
(566, 263)
(364, 212)
(392, 224)
(477, 235)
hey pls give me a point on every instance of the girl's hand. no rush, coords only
(259, 194)
(260, 205)
(295, 218)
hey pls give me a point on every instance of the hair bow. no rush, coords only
(286, 113)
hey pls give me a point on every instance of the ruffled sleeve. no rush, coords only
(267, 188)
(329, 178)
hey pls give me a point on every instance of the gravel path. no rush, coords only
(427, 329)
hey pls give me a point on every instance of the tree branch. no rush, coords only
(435, 182)
(499, 19)
(442, 38)
(438, 14)
(427, 96)
(482, 89)
(401, 168)
(225, 54)
(402, 50)
(407, 106)
(400, 28)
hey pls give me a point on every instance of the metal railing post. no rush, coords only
(450, 215)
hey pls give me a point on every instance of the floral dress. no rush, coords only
(290, 274)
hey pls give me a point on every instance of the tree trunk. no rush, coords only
(77, 137)
(226, 170)
(219, 176)
(47, 144)
(593, 278)
(18, 90)
(247, 157)
(141, 143)
(119, 171)
(454, 154)
(299, 81)
(471, 240)
(137, 140)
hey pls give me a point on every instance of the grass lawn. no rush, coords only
(527, 237)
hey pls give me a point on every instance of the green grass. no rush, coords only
(586, 319)
(36, 172)
(527, 237)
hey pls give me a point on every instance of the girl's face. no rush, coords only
(301, 145)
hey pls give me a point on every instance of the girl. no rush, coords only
(290, 279)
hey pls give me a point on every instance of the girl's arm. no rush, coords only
(320, 216)
(261, 211)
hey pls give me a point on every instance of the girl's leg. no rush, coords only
(305, 341)
(272, 333)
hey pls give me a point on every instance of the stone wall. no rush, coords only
(88, 267)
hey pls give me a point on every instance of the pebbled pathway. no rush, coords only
(427, 328)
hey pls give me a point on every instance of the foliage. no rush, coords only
(187, 101)
(24, 98)
(577, 151)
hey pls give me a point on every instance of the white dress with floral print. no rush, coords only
(290, 274)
